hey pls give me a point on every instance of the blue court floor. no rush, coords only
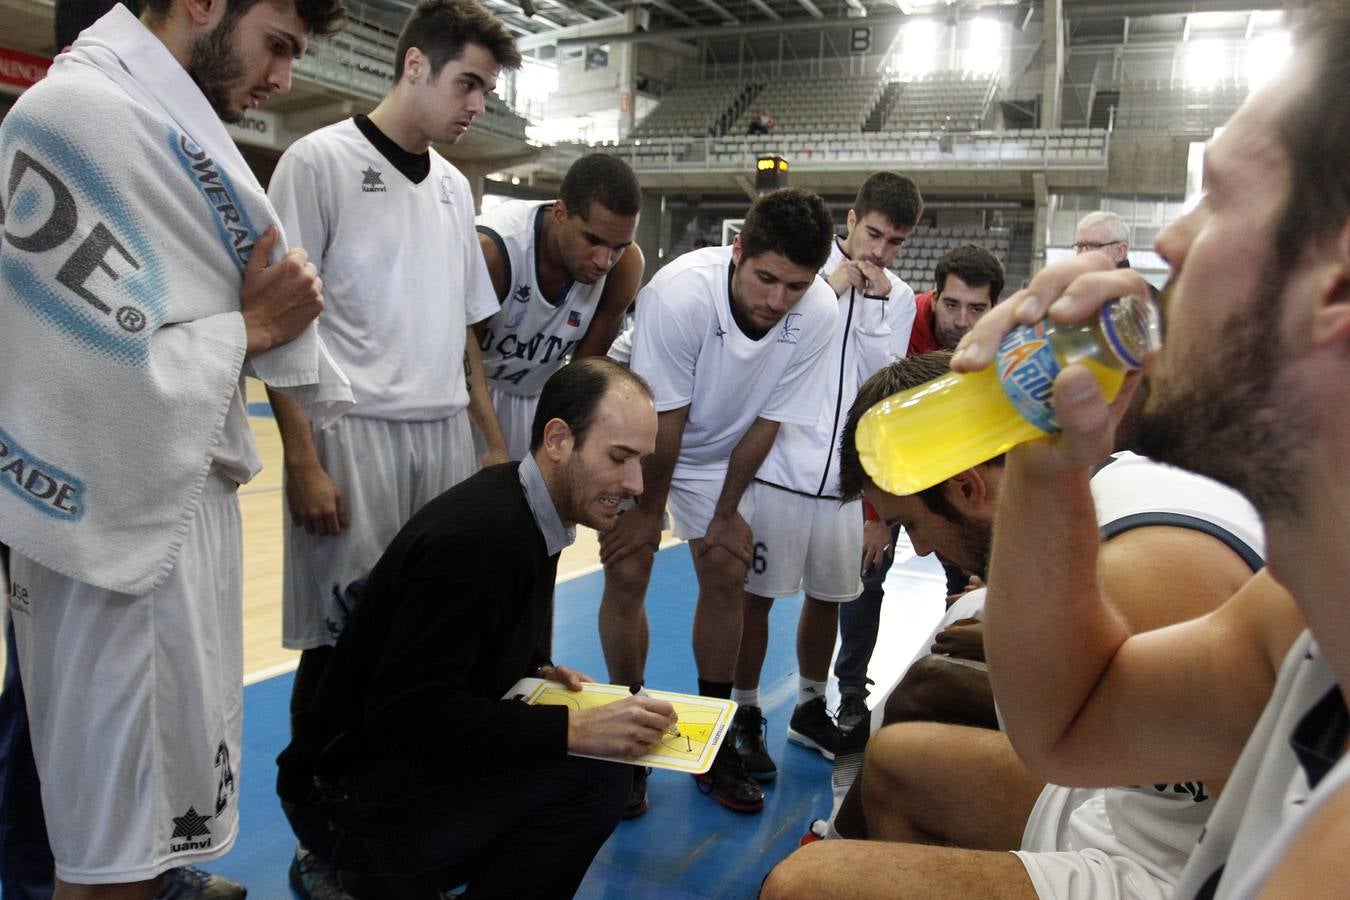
(686, 845)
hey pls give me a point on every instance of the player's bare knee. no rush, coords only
(798, 875)
(918, 696)
(626, 580)
(721, 573)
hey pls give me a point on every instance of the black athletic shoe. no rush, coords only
(852, 712)
(811, 726)
(313, 880)
(747, 735)
(637, 794)
(191, 883)
(730, 784)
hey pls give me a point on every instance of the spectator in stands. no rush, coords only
(1106, 233)
(1179, 546)
(760, 123)
(805, 537)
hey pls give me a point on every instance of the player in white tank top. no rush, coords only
(1134, 842)
(565, 272)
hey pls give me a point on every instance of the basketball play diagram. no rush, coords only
(702, 724)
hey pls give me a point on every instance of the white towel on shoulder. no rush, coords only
(128, 216)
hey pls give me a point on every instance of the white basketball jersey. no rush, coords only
(1267, 799)
(871, 333)
(402, 271)
(526, 341)
(1158, 824)
(688, 346)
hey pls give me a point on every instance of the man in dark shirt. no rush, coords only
(408, 772)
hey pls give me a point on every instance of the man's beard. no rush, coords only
(1229, 420)
(975, 538)
(217, 68)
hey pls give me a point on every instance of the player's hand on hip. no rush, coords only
(315, 502)
(627, 727)
(634, 529)
(278, 299)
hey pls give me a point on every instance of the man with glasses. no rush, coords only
(1105, 232)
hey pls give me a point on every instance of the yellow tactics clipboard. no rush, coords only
(703, 721)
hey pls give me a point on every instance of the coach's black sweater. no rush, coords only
(455, 612)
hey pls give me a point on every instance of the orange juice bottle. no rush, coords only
(917, 438)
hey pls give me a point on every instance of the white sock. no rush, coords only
(749, 697)
(808, 690)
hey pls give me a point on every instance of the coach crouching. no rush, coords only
(408, 773)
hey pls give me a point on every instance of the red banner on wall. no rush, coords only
(21, 69)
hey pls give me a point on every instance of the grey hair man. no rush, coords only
(1105, 232)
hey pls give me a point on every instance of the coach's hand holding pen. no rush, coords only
(637, 690)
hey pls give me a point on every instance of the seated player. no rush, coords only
(1175, 546)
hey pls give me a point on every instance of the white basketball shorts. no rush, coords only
(136, 705)
(386, 471)
(805, 543)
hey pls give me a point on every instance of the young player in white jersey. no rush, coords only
(565, 272)
(731, 339)
(392, 224)
(805, 538)
(1249, 388)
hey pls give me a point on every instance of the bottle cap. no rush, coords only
(1132, 328)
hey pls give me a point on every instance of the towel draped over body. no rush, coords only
(128, 216)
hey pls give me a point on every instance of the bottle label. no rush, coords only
(1027, 368)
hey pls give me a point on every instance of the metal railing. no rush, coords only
(1054, 148)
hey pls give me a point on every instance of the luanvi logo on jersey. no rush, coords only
(446, 196)
(190, 826)
(791, 330)
(373, 183)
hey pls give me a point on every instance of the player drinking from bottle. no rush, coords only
(1250, 389)
(1175, 546)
